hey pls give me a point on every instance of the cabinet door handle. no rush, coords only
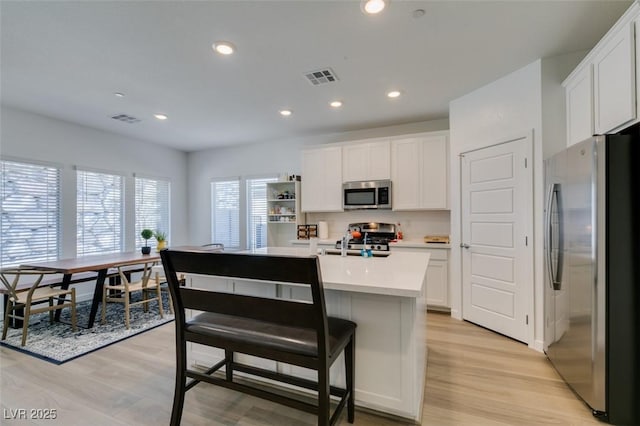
(463, 245)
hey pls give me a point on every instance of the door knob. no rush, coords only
(463, 245)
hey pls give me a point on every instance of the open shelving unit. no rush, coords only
(283, 212)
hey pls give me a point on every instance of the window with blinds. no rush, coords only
(257, 212)
(152, 206)
(225, 226)
(99, 213)
(30, 213)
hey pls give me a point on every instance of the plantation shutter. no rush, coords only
(30, 213)
(99, 213)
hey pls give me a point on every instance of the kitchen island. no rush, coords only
(384, 296)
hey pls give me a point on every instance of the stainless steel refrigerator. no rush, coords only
(592, 277)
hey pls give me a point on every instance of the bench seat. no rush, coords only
(236, 333)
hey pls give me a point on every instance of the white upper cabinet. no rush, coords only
(366, 161)
(615, 81)
(416, 164)
(579, 97)
(419, 172)
(601, 93)
(322, 179)
(435, 172)
(405, 173)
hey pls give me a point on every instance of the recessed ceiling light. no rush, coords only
(336, 104)
(118, 95)
(373, 6)
(160, 116)
(286, 112)
(393, 94)
(223, 47)
(418, 13)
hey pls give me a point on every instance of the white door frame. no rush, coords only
(456, 234)
(527, 308)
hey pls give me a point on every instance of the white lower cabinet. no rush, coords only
(437, 276)
(438, 284)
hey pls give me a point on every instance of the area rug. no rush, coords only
(57, 343)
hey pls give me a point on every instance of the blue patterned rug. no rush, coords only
(57, 343)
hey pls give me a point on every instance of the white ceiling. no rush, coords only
(66, 59)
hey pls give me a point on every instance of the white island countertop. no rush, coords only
(399, 274)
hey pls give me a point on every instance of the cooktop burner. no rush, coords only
(377, 236)
(359, 244)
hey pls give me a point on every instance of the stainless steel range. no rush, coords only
(374, 236)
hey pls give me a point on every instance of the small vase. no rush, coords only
(146, 250)
(161, 245)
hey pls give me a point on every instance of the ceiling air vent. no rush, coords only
(126, 118)
(322, 76)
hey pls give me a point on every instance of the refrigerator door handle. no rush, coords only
(547, 234)
(555, 277)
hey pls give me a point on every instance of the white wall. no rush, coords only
(500, 111)
(27, 136)
(510, 107)
(266, 158)
(414, 224)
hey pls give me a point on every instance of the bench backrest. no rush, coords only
(278, 269)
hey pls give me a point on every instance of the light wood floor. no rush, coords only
(474, 377)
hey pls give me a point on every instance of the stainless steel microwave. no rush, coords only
(373, 194)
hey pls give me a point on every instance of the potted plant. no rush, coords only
(146, 234)
(161, 238)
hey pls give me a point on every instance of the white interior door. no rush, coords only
(497, 255)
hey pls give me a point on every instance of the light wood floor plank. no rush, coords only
(474, 377)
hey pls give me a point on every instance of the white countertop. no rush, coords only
(399, 244)
(399, 274)
(330, 242)
(418, 244)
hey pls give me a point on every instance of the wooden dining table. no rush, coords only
(100, 263)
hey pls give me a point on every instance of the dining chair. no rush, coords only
(120, 292)
(161, 281)
(25, 292)
(213, 246)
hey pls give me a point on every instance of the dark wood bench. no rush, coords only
(288, 331)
